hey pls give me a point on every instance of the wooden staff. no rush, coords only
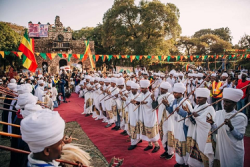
(27, 152)
(148, 95)
(230, 118)
(189, 95)
(8, 93)
(210, 105)
(161, 102)
(38, 102)
(114, 95)
(133, 99)
(6, 104)
(89, 90)
(7, 89)
(7, 98)
(5, 123)
(1, 108)
(10, 135)
(108, 94)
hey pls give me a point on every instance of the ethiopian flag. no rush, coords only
(27, 47)
(186, 67)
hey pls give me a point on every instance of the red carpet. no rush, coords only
(112, 143)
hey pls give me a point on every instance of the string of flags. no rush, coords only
(84, 56)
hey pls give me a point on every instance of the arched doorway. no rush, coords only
(63, 62)
(45, 67)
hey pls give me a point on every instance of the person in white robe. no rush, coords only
(229, 150)
(155, 85)
(120, 85)
(125, 111)
(88, 97)
(197, 141)
(39, 92)
(110, 103)
(95, 94)
(133, 115)
(180, 129)
(104, 90)
(149, 130)
(99, 97)
(166, 127)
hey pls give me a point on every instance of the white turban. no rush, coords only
(42, 129)
(176, 74)
(97, 79)
(200, 75)
(24, 88)
(40, 76)
(224, 75)
(179, 88)
(144, 83)
(91, 79)
(87, 76)
(128, 83)
(40, 81)
(120, 81)
(202, 92)
(107, 80)
(213, 75)
(162, 76)
(12, 86)
(29, 109)
(113, 80)
(25, 98)
(165, 85)
(232, 94)
(101, 80)
(135, 85)
(12, 80)
(32, 78)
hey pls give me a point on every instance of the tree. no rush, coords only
(9, 41)
(140, 30)
(244, 42)
(223, 33)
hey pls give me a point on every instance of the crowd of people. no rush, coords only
(180, 108)
(190, 105)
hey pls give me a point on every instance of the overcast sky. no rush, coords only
(194, 14)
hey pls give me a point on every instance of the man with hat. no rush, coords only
(133, 116)
(180, 129)
(148, 119)
(229, 150)
(199, 132)
(110, 103)
(44, 137)
(166, 127)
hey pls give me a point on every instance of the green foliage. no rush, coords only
(9, 41)
(244, 42)
(142, 29)
(223, 33)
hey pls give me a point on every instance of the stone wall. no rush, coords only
(45, 45)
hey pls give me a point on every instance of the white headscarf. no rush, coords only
(42, 129)
(29, 109)
(24, 88)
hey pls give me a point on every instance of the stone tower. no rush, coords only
(60, 40)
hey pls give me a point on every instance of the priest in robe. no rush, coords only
(229, 150)
(39, 91)
(133, 116)
(180, 129)
(166, 127)
(149, 130)
(201, 130)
